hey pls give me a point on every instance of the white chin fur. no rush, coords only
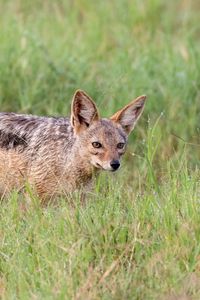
(105, 168)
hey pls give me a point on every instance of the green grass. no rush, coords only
(138, 234)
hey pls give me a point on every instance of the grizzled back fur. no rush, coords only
(59, 155)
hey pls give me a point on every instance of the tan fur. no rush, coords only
(57, 156)
(12, 171)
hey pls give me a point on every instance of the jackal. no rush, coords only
(57, 155)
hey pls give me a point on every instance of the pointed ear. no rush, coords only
(83, 111)
(128, 116)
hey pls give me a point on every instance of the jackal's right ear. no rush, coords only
(83, 111)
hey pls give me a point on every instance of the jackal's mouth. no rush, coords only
(99, 166)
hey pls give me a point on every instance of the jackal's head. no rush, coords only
(103, 141)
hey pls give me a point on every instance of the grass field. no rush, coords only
(138, 234)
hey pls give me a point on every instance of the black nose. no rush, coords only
(115, 164)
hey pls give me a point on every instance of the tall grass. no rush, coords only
(137, 235)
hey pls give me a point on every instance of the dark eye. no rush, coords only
(120, 145)
(96, 145)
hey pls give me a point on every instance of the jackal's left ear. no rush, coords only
(83, 111)
(128, 116)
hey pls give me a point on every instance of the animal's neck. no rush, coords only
(77, 166)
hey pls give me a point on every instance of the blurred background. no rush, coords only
(115, 51)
